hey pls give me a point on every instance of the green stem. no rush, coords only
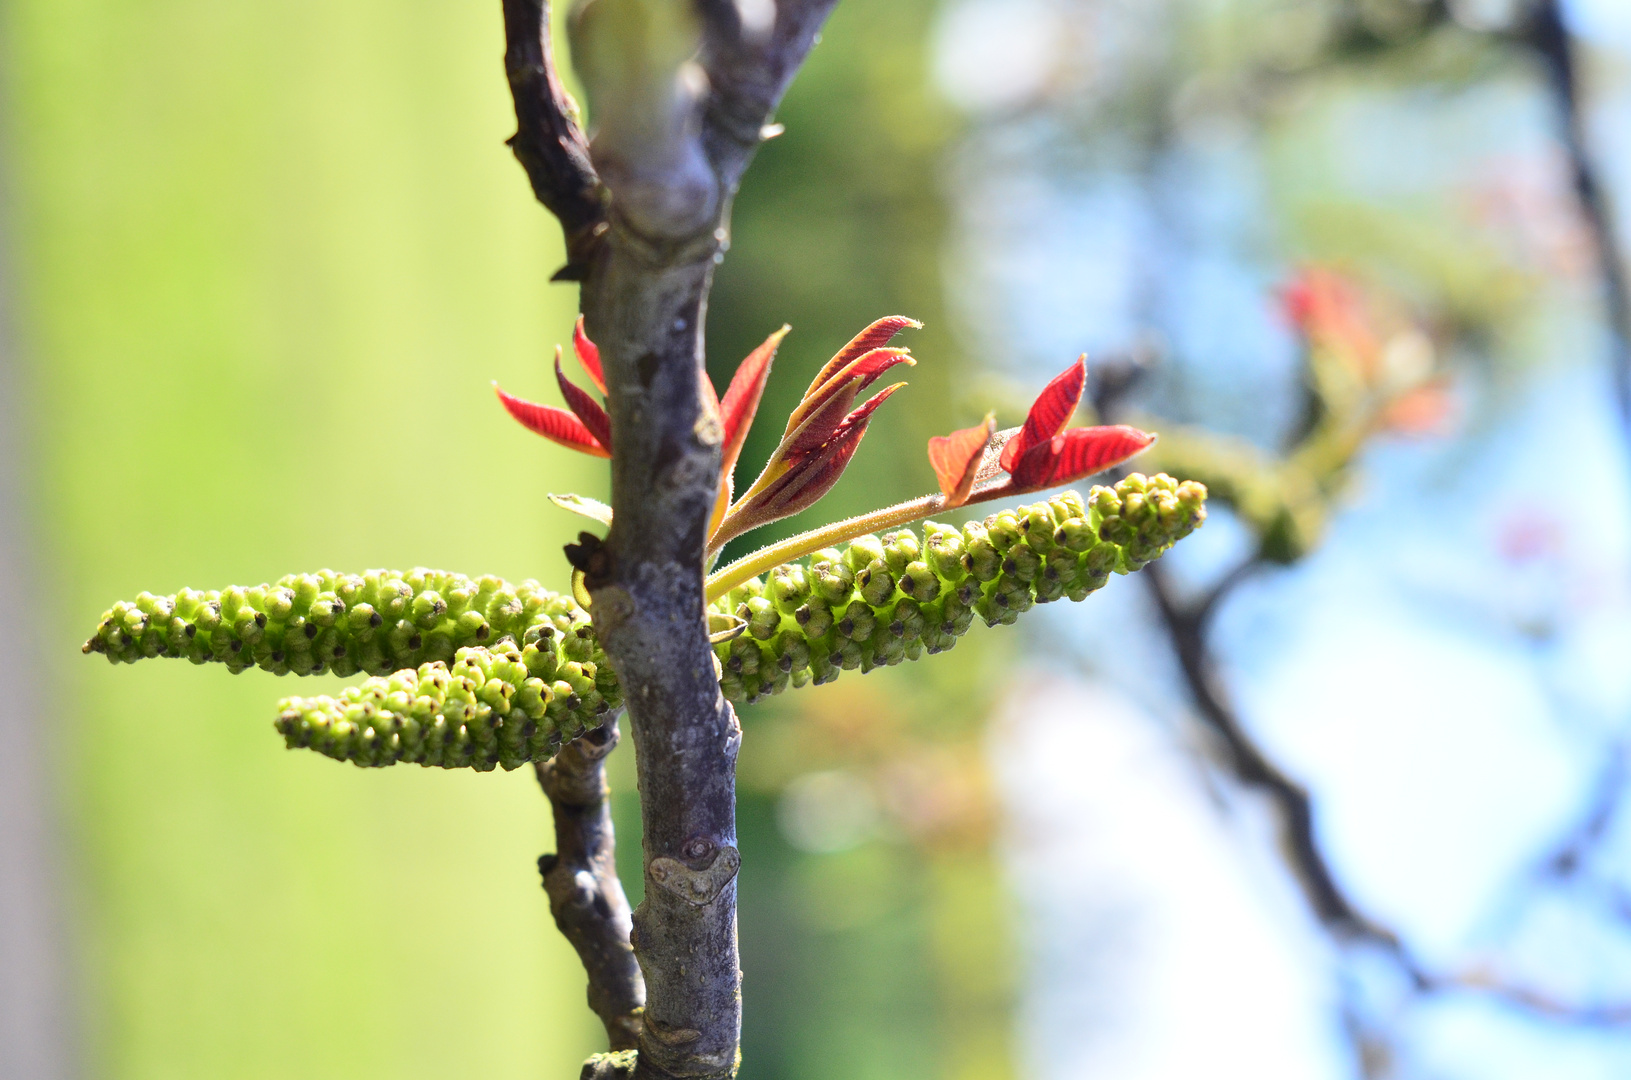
(723, 581)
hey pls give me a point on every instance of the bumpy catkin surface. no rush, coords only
(479, 673)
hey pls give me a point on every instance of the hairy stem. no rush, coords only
(585, 895)
(768, 558)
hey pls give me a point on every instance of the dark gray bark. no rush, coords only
(585, 895)
(668, 153)
(548, 141)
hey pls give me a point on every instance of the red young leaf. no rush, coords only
(956, 459)
(874, 336)
(588, 355)
(820, 413)
(588, 409)
(1077, 453)
(742, 397)
(814, 474)
(709, 394)
(807, 478)
(554, 424)
(1050, 413)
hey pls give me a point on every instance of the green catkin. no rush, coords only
(482, 674)
(886, 599)
(521, 647)
(483, 711)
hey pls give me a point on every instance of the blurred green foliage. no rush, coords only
(267, 260)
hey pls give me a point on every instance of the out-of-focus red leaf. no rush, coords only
(741, 400)
(1424, 410)
(956, 459)
(1049, 414)
(588, 409)
(819, 415)
(1328, 309)
(1076, 454)
(588, 355)
(554, 424)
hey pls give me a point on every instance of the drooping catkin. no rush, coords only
(885, 599)
(479, 673)
(424, 626)
(489, 708)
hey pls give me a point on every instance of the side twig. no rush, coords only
(548, 142)
(1186, 629)
(585, 894)
(1547, 37)
(1186, 626)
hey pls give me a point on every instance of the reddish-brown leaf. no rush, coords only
(1050, 413)
(819, 414)
(956, 459)
(742, 396)
(588, 355)
(814, 474)
(808, 477)
(588, 409)
(873, 337)
(1078, 453)
(554, 424)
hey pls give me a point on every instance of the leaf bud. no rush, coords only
(907, 620)
(1066, 505)
(862, 552)
(1022, 563)
(789, 588)
(980, 556)
(832, 580)
(875, 583)
(943, 547)
(1104, 502)
(814, 618)
(1037, 523)
(857, 622)
(1075, 534)
(900, 549)
(763, 618)
(919, 582)
(792, 651)
(742, 656)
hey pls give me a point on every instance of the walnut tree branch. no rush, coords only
(585, 894)
(548, 142)
(680, 95)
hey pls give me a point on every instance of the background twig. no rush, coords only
(585, 894)
(549, 143)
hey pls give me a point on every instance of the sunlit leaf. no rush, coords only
(588, 355)
(1050, 413)
(587, 408)
(1076, 454)
(593, 509)
(552, 423)
(956, 458)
